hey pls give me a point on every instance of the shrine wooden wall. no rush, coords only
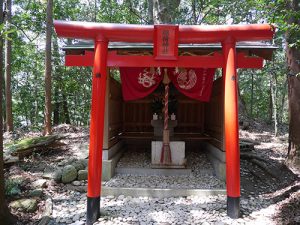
(190, 115)
(137, 115)
(113, 113)
(214, 116)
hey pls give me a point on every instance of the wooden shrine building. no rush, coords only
(165, 47)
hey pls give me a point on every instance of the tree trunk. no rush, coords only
(164, 11)
(241, 105)
(293, 57)
(273, 89)
(280, 119)
(150, 12)
(270, 101)
(95, 11)
(56, 107)
(48, 69)
(252, 94)
(5, 216)
(66, 109)
(36, 102)
(8, 97)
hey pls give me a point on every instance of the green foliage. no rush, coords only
(71, 87)
(13, 186)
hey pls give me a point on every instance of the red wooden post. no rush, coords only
(231, 129)
(96, 131)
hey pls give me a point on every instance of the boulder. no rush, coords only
(78, 165)
(69, 174)
(40, 183)
(82, 175)
(84, 162)
(36, 193)
(28, 205)
(57, 175)
(76, 183)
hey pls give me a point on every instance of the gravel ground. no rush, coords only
(201, 177)
(70, 209)
(264, 199)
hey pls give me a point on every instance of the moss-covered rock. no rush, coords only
(28, 205)
(69, 174)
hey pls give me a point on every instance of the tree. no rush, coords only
(8, 96)
(164, 11)
(5, 216)
(48, 69)
(293, 57)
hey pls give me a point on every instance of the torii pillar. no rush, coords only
(231, 128)
(96, 130)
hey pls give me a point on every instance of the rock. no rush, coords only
(45, 220)
(78, 223)
(205, 223)
(57, 175)
(76, 183)
(84, 162)
(40, 183)
(78, 165)
(76, 217)
(219, 223)
(48, 175)
(121, 197)
(28, 205)
(297, 219)
(82, 175)
(36, 193)
(69, 174)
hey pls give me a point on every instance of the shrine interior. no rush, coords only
(132, 126)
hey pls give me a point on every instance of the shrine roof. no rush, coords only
(261, 49)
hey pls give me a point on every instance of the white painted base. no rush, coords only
(177, 152)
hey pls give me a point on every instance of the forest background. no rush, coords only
(40, 91)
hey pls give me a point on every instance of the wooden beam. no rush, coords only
(114, 60)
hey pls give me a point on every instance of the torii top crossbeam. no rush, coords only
(145, 33)
(165, 39)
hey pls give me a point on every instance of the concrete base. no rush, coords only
(151, 192)
(109, 165)
(177, 153)
(149, 171)
(109, 153)
(160, 193)
(217, 158)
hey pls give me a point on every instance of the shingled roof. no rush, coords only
(261, 49)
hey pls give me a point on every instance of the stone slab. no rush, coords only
(109, 153)
(217, 159)
(149, 171)
(108, 166)
(159, 192)
(177, 152)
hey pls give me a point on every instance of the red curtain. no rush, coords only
(139, 82)
(194, 83)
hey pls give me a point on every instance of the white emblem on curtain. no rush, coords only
(147, 78)
(187, 79)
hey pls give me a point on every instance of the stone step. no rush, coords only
(160, 172)
(159, 192)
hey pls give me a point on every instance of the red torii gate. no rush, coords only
(165, 39)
